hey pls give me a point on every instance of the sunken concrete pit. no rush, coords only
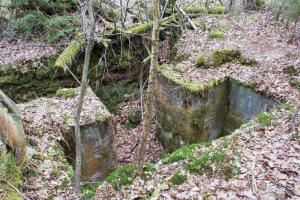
(189, 112)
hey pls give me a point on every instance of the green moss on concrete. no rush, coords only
(192, 86)
(225, 55)
(66, 93)
(217, 35)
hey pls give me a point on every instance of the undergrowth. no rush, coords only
(10, 175)
(178, 178)
(265, 118)
(50, 18)
(125, 175)
(183, 153)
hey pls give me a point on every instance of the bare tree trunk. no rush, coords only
(150, 92)
(90, 28)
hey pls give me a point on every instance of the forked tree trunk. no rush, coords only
(150, 92)
(90, 28)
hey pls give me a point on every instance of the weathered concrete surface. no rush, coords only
(98, 156)
(187, 115)
(97, 136)
(246, 103)
(54, 116)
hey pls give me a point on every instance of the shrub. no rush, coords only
(44, 16)
(178, 178)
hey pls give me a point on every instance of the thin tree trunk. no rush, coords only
(90, 43)
(150, 92)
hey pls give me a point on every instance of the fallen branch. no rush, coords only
(186, 16)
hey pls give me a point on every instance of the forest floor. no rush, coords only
(263, 153)
(266, 157)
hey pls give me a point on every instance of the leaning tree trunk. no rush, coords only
(90, 28)
(150, 92)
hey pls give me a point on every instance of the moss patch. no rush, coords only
(126, 174)
(9, 173)
(194, 9)
(178, 178)
(66, 93)
(265, 118)
(183, 153)
(217, 35)
(217, 58)
(225, 55)
(218, 9)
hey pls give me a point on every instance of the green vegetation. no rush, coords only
(217, 58)
(295, 83)
(10, 173)
(225, 55)
(125, 175)
(134, 118)
(291, 8)
(217, 35)
(47, 16)
(290, 70)
(265, 118)
(213, 159)
(203, 61)
(260, 3)
(88, 190)
(194, 9)
(216, 10)
(113, 94)
(204, 163)
(66, 93)
(178, 178)
(183, 153)
(285, 106)
(180, 68)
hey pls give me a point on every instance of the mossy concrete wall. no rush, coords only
(185, 116)
(38, 78)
